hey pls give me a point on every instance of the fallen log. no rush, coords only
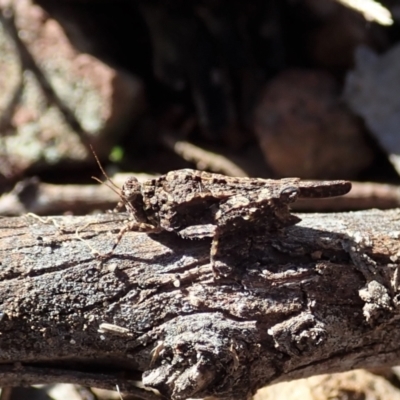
(319, 297)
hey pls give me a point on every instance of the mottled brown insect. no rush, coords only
(196, 204)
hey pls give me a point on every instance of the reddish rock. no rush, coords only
(92, 103)
(304, 130)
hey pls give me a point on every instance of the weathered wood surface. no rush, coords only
(322, 296)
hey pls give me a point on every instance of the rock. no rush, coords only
(371, 91)
(358, 384)
(55, 100)
(305, 131)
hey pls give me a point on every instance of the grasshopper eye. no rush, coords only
(132, 184)
(289, 194)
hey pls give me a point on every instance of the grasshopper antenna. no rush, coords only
(132, 223)
(115, 188)
(112, 186)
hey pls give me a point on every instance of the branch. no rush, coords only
(31, 195)
(321, 297)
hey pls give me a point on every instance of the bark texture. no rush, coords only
(322, 296)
